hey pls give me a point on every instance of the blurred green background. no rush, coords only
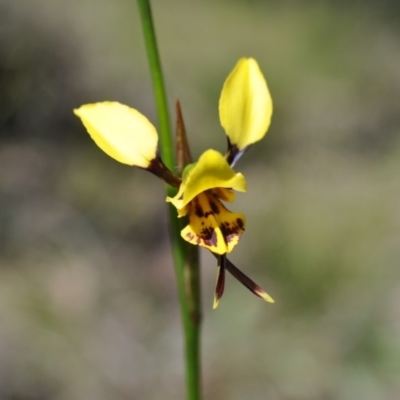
(88, 305)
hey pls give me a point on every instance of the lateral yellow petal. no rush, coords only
(120, 131)
(212, 225)
(245, 105)
(211, 171)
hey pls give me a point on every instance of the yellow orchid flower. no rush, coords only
(204, 185)
(245, 109)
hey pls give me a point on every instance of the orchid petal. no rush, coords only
(245, 105)
(120, 131)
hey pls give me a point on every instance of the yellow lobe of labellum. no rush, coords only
(121, 132)
(212, 225)
(210, 172)
(245, 105)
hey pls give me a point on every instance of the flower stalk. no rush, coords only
(185, 256)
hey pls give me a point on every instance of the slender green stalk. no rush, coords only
(185, 256)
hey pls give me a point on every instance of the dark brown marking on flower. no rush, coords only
(190, 236)
(193, 237)
(214, 207)
(240, 223)
(197, 207)
(209, 236)
(207, 232)
(231, 230)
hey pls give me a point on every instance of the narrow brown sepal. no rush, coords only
(183, 155)
(220, 284)
(246, 281)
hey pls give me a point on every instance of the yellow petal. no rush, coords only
(212, 225)
(120, 131)
(211, 171)
(245, 105)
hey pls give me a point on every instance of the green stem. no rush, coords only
(185, 255)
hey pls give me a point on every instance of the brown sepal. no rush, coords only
(183, 155)
(220, 284)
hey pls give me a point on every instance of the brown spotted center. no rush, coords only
(212, 225)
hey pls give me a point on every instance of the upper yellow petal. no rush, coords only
(245, 105)
(211, 171)
(120, 131)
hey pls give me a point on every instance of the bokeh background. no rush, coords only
(88, 305)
